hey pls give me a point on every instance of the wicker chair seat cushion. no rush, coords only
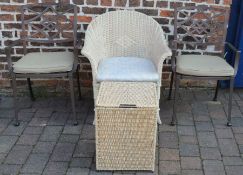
(46, 62)
(127, 69)
(203, 65)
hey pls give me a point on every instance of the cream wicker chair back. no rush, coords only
(126, 34)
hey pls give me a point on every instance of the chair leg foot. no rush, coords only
(75, 123)
(16, 123)
(172, 123)
(229, 124)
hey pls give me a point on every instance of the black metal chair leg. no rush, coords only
(73, 100)
(78, 82)
(171, 85)
(177, 81)
(14, 86)
(216, 91)
(230, 101)
(30, 90)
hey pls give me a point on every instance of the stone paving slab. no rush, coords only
(47, 143)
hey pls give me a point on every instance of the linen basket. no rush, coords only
(126, 126)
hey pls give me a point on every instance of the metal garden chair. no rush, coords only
(202, 27)
(49, 25)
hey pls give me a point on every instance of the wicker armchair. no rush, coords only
(133, 40)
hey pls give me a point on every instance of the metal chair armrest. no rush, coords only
(237, 56)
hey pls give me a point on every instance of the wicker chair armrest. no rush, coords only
(8, 50)
(237, 56)
(160, 51)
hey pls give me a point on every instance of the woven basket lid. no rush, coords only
(127, 95)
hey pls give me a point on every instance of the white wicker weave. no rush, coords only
(125, 33)
(126, 126)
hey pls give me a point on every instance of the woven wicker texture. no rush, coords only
(124, 33)
(126, 137)
(114, 94)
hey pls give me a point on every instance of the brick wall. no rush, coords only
(161, 10)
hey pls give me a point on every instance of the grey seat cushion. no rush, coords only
(46, 62)
(127, 69)
(203, 65)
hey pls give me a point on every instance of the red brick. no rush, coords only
(6, 17)
(106, 2)
(166, 13)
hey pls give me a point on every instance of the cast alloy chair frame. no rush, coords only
(210, 22)
(44, 28)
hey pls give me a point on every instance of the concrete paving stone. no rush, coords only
(6, 143)
(234, 170)
(2, 157)
(35, 163)
(237, 122)
(81, 162)
(7, 113)
(18, 154)
(232, 161)
(184, 119)
(191, 163)
(33, 130)
(228, 147)
(4, 122)
(78, 171)
(204, 126)
(13, 130)
(85, 148)
(6, 103)
(69, 138)
(51, 133)
(58, 118)
(63, 152)
(192, 172)
(6, 169)
(188, 140)
(44, 147)
(241, 149)
(93, 172)
(38, 122)
(168, 140)
(239, 138)
(207, 139)
(71, 129)
(237, 130)
(88, 132)
(28, 139)
(186, 130)
(56, 168)
(210, 153)
(189, 150)
(169, 167)
(224, 133)
(43, 112)
(166, 128)
(199, 108)
(25, 116)
(201, 118)
(218, 115)
(213, 167)
(168, 154)
(41, 103)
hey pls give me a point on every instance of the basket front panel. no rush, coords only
(125, 138)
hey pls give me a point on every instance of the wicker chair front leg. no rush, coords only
(72, 98)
